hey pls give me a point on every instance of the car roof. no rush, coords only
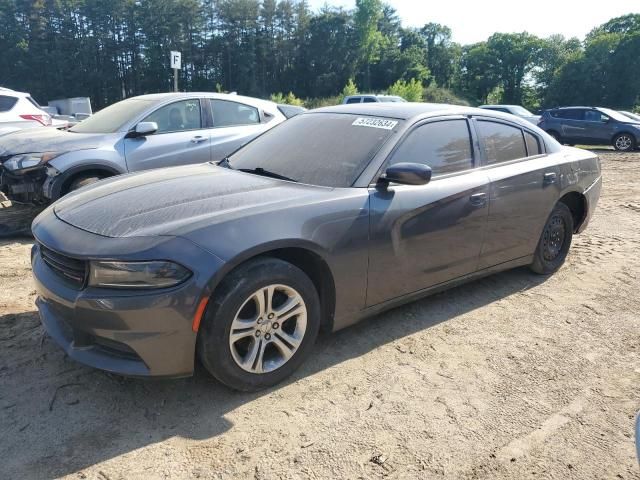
(403, 111)
(498, 105)
(8, 91)
(161, 97)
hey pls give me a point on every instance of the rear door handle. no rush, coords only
(198, 139)
(478, 199)
(550, 178)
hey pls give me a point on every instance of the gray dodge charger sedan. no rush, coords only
(330, 217)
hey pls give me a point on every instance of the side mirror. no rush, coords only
(407, 174)
(142, 129)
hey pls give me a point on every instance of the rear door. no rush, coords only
(234, 124)
(424, 235)
(524, 188)
(180, 139)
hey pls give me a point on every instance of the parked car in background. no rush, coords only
(243, 263)
(591, 126)
(631, 115)
(516, 110)
(372, 98)
(19, 111)
(140, 133)
(291, 110)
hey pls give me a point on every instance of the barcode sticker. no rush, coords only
(375, 123)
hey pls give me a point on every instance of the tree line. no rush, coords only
(110, 50)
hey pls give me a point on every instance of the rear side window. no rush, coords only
(533, 144)
(501, 142)
(7, 103)
(369, 100)
(229, 114)
(444, 146)
(569, 114)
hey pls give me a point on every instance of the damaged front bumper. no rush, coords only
(33, 186)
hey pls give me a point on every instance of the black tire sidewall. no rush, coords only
(546, 267)
(213, 337)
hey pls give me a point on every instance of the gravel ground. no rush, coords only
(513, 376)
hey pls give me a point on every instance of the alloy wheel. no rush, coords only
(268, 329)
(624, 142)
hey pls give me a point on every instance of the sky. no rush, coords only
(475, 20)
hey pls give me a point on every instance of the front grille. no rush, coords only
(71, 269)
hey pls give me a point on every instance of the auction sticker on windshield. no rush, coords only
(375, 123)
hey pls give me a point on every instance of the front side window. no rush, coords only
(177, 117)
(327, 149)
(501, 142)
(229, 114)
(353, 100)
(369, 100)
(595, 116)
(7, 103)
(444, 146)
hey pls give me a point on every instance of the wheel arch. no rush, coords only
(634, 135)
(577, 204)
(62, 182)
(308, 257)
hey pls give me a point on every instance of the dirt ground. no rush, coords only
(513, 376)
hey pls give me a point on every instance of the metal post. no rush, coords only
(175, 79)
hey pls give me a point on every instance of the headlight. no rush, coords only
(28, 161)
(154, 274)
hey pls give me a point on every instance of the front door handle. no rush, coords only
(550, 178)
(478, 199)
(198, 139)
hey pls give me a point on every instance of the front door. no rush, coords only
(180, 139)
(421, 236)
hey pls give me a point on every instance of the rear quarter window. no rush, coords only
(7, 103)
(533, 144)
(502, 142)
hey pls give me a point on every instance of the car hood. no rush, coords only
(176, 200)
(47, 139)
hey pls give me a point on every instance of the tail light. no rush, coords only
(41, 119)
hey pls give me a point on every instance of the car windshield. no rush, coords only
(327, 149)
(112, 118)
(613, 114)
(517, 110)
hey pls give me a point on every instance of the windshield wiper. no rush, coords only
(266, 173)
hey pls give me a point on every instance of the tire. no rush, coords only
(624, 142)
(82, 181)
(554, 242)
(235, 304)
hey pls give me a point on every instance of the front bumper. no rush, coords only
(134, 333)
(25, 188)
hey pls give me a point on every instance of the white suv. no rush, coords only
(18, 110)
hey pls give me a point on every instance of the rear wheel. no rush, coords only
(260, 326)
(624, 142)
(554, 242)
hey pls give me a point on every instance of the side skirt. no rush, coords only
(411, 297)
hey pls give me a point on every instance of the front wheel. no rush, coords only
(260, 325)
(554, 242)
(624, 142)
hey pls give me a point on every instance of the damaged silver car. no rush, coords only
(39, 166)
